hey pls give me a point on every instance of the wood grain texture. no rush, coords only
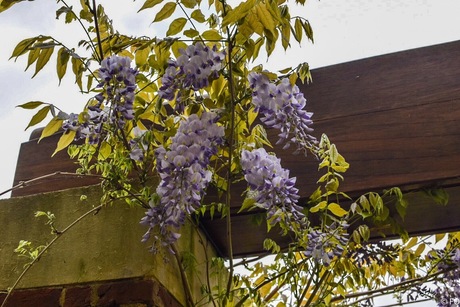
(395, 118)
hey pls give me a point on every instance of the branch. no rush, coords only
(26, 183)
(93, 11)
(185, 282)
(95, 210)
(230, 157)
(382, 291)
(81, 24)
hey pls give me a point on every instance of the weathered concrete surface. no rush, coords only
(104, 246)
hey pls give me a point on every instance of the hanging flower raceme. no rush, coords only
(282, 106)
(191, 70)
(184, 176)
(447, 292)
(271, 187)
(324, 245)
(114, 104)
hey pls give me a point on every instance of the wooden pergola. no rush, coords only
(395, 118)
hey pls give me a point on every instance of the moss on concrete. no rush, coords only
(104, 246)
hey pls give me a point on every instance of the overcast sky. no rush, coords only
(344, 31)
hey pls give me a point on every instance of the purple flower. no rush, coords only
(119, 82)
(271, 187)
(324, 245)
(447, 292)
(113, 105)
(184, 175)
(282, 106)
(191, 70)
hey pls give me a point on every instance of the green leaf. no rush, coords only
(149, 4)
(191, 33)
(439, 195)
(211, 35)
(190, 4)
(77, 68)
(364, 232)
(198, 16)
(104, 151)
(23, 46)
(33, 56)
(167, 10)
(265, 17)
(356, 236)
(30, 105)
(141, 56)
(332, 185)
(364, 202)
(320, 206)
(308, 30)
(336, 209)
(43, 58)
(63, 57)
(176, 26)
(39, 116)
(412, 242)
(285, 36)
(248, 204)
(238, 12)
(420, 249)
(65, 140)
(6, 4)
(52, 127)
(177, 46)
(298, 30)
(439, 237)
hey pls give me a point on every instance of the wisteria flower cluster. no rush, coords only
(271, 187)
(114, 104)
(324, 245)
(191, 70)
(184, 176)
(138, 144)
(282, 106)
(447, 292)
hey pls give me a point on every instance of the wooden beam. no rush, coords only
(395, 118)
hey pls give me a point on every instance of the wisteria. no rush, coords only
(114, 104)
(184, 176)
(191, 70)
(271, 187)
(138, 144)
(282, 106)
(447, 292)
(324, 245)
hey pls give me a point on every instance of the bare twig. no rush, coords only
(184, 278)
(382, 291)
(26, 183)
(95, 210)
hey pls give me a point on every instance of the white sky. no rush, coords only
(344, 31)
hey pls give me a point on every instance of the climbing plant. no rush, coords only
(172, 118)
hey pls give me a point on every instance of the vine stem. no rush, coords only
(81, 24)
(317, 287)
(23, 184)
(382, 291)
(93, 11)
(204, 244)
(26, 183)
(183, 275)
(95, 210)
(229, 167)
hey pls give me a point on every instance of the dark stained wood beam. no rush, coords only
(395, 118)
